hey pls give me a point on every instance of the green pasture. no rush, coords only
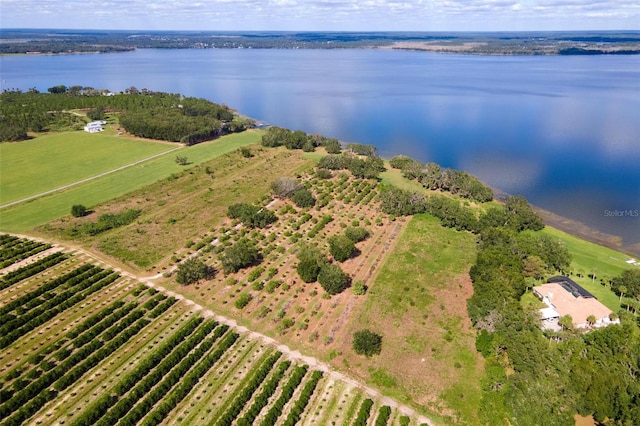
(394, 177)
(405, 304)
(590, 258)
(53, 160)
(24, 216)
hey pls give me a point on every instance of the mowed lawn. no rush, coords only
(590, 258)
(47, 162)
(25, 216)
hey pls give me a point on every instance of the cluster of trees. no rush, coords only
(278, 136)
(132, 408)
(303, 399)
(252, 383)
(31, 269)
(368, 167)
(78, 210)
(251, 215)
(147, 375)
(516, 213)
(94, 319)
(143, 113)
(261, 400)
(187, 382)
(76, 289)
(627, 284)
(432, 176)
(288, 389)
(92, 329)
(503, 264)
(363, 413)
(14, 249)
(32, 397)
(314, 266)
(563, 372)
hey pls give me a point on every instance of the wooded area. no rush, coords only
(143, 113)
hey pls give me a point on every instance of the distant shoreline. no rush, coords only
(64, 42)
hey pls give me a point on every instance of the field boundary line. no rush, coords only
(85, 180)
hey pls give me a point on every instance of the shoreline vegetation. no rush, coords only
(303, 240)
(59, 41)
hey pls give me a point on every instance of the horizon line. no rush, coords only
(320, 31)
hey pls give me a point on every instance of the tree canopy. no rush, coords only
(310, 262)
(239, 255)
(333, 279)
(252, 216)
(193, 270)
(143, 113)
(341, 247)
(366, 342)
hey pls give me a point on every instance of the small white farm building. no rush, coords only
(95, 126)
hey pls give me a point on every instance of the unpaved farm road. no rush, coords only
(312, 362)
(108, 172)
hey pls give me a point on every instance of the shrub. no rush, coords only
(78, 210)
(333, 279)
(242, 300)
(324, 174)
(341, 247)
(303, 198)
(366, 342)
(356, 233)
(359, 288)
(193, 270)
(311, 260)
(238, 256)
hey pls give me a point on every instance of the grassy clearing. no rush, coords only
(53, 160)
(184, 206)
(417, 303)
(394, 177)
(26, 216)
(590, 258)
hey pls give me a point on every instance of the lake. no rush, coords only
(562, 130)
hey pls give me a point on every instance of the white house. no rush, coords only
(94, 126)
(563, 296)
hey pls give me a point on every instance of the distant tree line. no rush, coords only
(59, 41)
(516, 213)
(143, 113)
(278, 136)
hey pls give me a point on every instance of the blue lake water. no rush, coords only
(563, 131)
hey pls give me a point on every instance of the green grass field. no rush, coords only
(394, 177)
(590, 258)
(53, 160)
(418, 304)
(24, 216)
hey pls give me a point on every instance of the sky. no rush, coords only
(319, 15)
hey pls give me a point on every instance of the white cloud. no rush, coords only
(323, 14)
